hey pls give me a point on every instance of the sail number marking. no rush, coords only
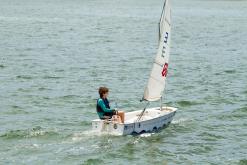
(165, 70)
(164, 47)
(166, 37)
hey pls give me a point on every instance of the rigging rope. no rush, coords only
(141, 114)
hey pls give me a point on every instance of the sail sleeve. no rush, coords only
(156, 82)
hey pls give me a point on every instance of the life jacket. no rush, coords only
(107, 105)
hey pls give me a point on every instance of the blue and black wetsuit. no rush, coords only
(103, 108)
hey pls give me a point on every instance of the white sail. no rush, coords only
(156, 82)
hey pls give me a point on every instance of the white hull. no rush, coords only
(152, 119)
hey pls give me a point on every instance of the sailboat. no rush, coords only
(148, 119)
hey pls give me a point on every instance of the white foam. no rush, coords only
(181, 121)
(146, 134)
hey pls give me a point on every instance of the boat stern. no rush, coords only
(110, 127)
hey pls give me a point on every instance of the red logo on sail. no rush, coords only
(165, 70)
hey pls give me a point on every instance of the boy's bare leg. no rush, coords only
(121, 114)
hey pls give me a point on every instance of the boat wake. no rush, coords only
(146, 134)
(79, 136)
(181, 121)
(30, 133)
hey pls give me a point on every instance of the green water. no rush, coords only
(55, 54)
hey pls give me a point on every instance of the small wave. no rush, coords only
(187, 103)
(93, 161)
(136, 141)
(181, 121)
(43, 89)
(235, 114)
(59, 70)
(217, 74)
(230, 71)
(24, 77)
(23, 90)
(16, 110)
(70, 96)
(85, 123)
(2, 66)
(29, 133)
(210, 137)
(243, 162)
(243, 110)
(231, 50)
(239, 113)
(52, 77)
(16, 107)
(82, 135)
(79, 136)
(46, 98)
(29, 49)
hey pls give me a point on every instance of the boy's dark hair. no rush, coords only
(102, 91)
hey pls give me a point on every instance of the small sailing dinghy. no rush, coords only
(148, 119)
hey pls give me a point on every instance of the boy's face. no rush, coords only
(106, 95)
